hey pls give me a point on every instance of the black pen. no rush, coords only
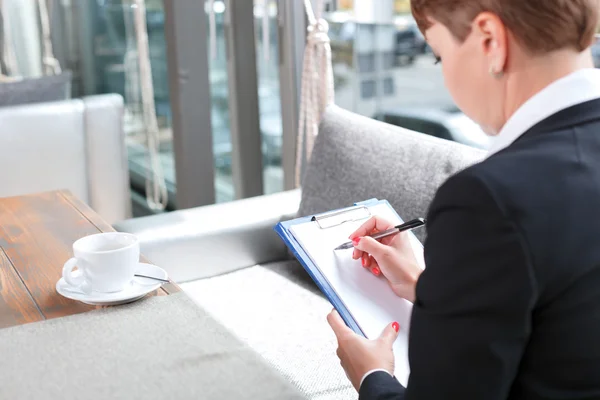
(407, 226)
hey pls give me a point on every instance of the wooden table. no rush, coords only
(36, 237)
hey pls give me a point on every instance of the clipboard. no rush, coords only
(328, 220)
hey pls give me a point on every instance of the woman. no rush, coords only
(509, 304)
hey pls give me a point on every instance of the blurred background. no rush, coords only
(382, 66)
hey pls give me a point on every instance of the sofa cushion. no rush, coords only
(357, 158)
(157, 348)
(278, 312)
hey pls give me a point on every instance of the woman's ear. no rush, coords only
(491, 34)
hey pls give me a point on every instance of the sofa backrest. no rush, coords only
(356, 158)
(77, 145)
(36, 90)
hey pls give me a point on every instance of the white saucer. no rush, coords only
(137, 288)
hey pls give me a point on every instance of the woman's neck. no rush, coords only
(529, 75)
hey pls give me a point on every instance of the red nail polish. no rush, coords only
(376, 271)
(396, 326)
(364, 261)
(356, 241)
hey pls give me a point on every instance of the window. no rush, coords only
(101, 50)
(269, 98)
(219, 92)
(368, 89)
(384, 69)
(103, 55)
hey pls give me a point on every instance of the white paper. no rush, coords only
(368, 298)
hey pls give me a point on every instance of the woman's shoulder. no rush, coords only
(473, 186)
(506, 181)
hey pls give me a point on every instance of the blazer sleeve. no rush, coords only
(381, 386)
(472, 315)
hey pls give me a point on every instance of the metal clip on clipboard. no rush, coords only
(339, 217)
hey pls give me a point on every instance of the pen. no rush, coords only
(407, 226)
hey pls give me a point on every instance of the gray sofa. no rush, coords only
(228, 259)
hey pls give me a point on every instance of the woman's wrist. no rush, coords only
(409, 291)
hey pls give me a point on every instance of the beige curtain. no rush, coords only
(50, 63)
(8, 63)
(317, 83)
(22, 49)
(156, 188)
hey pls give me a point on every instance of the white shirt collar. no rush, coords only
(578, 87)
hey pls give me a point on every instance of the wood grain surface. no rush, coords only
(16, 304)
(36, 237)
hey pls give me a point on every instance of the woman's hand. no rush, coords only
(393, 258)
(359, 355)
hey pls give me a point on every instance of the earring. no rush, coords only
(495, 73)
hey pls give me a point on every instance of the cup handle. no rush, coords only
(78, 282)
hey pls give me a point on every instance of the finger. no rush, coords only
(366, 260)
(389, 334)
(373, 247)
(374, 267)
(364, 229)
(388, 241)
(356, 254)
(338, 325)
(375, 223)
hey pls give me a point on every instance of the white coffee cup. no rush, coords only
(106, 262)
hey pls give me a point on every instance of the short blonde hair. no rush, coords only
(539, 25)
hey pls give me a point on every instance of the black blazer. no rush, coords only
(509, 305)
